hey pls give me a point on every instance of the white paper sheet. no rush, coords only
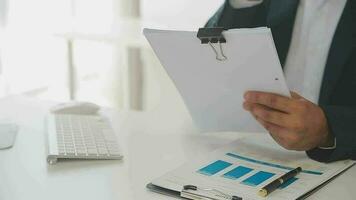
(213, 90)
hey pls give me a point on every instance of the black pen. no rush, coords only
(278, 182)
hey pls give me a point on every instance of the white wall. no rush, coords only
(179, 14)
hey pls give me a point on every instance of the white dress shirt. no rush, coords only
(313, 33)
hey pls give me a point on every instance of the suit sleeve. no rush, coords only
(229, 17)
(342, 124)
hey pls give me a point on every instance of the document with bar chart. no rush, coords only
(244, 167)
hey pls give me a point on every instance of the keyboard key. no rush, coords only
(92, 152)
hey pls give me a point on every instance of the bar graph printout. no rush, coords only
(245, 166)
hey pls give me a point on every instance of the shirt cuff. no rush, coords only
(329, 148)
(244, 3)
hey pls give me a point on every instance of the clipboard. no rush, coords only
(213, 68)
(182, 194)
(197, 179)
(187, 193)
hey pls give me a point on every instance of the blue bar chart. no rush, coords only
(214, 168)
(234, 155)
(258, 178)
(237, 172)
(240, 173)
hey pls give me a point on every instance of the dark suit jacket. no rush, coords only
(338, 91)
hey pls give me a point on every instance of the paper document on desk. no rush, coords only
(245, 166)
(213, 90)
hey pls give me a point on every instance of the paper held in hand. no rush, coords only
(211, 86)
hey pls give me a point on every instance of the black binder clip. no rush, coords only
(216, 193)
(212, 36)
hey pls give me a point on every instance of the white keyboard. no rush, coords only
(80, 137)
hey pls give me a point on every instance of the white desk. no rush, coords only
(153, 143)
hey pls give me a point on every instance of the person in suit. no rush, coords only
(315, 41)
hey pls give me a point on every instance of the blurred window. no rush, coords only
(34, 50)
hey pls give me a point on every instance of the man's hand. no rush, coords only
(295, 123)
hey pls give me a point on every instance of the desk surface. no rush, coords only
(153, 143)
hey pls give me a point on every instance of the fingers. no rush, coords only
(295, 123)
(268, 115)
(274, 101)
(271, 127)
(277, 133)
(281, 135)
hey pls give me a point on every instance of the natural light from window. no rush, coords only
(34, 45)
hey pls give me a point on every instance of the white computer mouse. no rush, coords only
(8, 134)
(76, 108)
